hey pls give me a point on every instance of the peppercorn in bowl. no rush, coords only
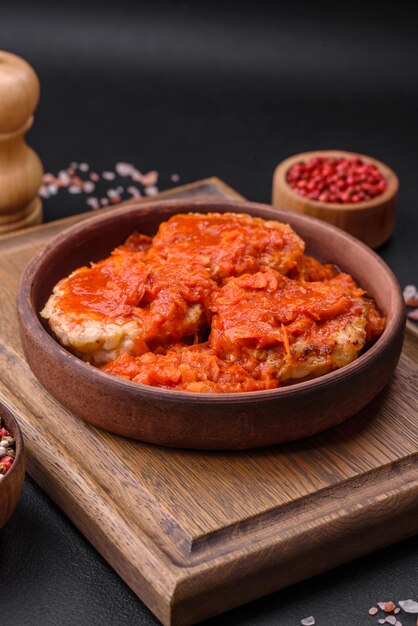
(151, 389)
(352, 191)
(12, 463)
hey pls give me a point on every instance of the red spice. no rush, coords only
(7, 448)
(7, 459)
(338, 180)
(7, 463)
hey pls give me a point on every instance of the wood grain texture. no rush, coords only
(20, 168)
(372, 221)
(194, 533)
(11, 483)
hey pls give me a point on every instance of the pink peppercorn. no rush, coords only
(338, 180)
(7, 449)
(7, 461)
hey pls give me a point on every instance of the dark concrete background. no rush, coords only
(202, 89)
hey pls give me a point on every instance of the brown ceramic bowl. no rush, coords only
(372, 221)
(12, 482)
(193, 420)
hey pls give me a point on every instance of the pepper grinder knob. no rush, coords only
(20, 168)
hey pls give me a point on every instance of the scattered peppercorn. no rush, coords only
(388, 608)
(339, 180)
(7, 449)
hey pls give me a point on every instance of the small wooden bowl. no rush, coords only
(12, 482)
(193, 420)
(372, 222)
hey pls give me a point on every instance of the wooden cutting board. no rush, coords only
(196, 533)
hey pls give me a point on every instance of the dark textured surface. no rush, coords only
(202, 90)
(227, 89)
(50, 575)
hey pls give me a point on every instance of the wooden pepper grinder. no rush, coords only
(20, 168)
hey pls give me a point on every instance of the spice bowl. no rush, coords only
(370, 219)
(11, 483)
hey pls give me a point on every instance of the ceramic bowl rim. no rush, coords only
(390, 176)
(27, 312)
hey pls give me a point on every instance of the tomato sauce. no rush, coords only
(229, 244)
(222, 303)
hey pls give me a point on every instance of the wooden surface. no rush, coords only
(195, 420)
(20, 168)
(11, 483)
(194, 533)
(372, 221)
